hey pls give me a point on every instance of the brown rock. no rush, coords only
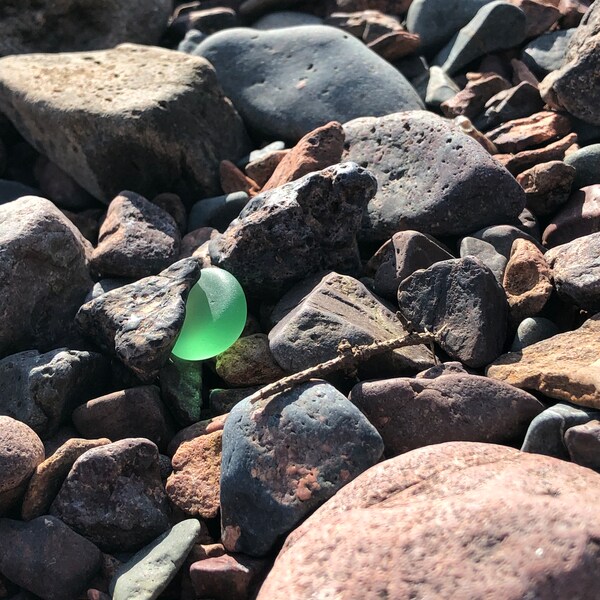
(572, 12)
(433, 524)
(527, 280)
(317, 150)
(233, 180)
(547, 186)
(194, 240)
(87, 222)
(202, 551)
(173, 204)
(540, 15)
(564, 366)
(50, 474)
(261, 169)
(196, 430)
(393, 46)
(583, 444)
(194, 484)
(389, 7)
(521, 72)
(367, 25)
(21, 451)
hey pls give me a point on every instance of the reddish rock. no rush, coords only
(173, 204)
(540, 15)
(547, 186)
(444, 522)
(521, 72)
(233, 180)
(317, 150)
(194, 240)
(196, 430)
(583, 444)
(261, 169)
(393, 46)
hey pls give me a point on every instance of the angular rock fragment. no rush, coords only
(547, 52)
(547, 186)
(583, 444)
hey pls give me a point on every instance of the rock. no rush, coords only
(547, 186)
(196, 241)
(440, 87)
(210, 20)
(503, 237)
(41, 292)
(335, 308)
(586, 163)
(42, 390)
(140, 322)
(21, 451)
(496, 26)
(135, 412)
(223, 400)
(196, 430)
(194, 487)
(172, 204)
(79, 25)
(121, 96)
(431, 176)
(579, 217)
(284, 457)
(113, 496)
(181, 389)
(285, 18)
(405, 253)
(539, 15)
(303, 227)
(435, 514)
(454, 367)
(12, 190)
(248, 362)
(233, 180)
(486, 253)
(562, 367)
(576, 272)
(147, 573)
(535, 130)
(233, 577)
(547, 52)
(411, 413)
(262, 168)
(47, 558)
(546, 433)
(574, 87)
(532, 330)
(50, 474)
(321, 74)
(461, 302)
(217, 212)
(61, 189)
(583, 444)
(527, 280)
(317, 150)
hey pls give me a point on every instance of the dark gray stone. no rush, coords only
(501, 237)
(533, 330)
(432, 177)
(284, 457)
(412, 413)
(302, 227)
(217, 212)
(181, 389)
(547, 52)
(139, 323)
(114, 496)
(547, 431)
(286, 18)
(586, 162)
(222, 401)
(339, 308)
(42, 390)
(448, 368)
(462, 303)
(486, 253)
(287, 82)
(46, 557)
(11, 190)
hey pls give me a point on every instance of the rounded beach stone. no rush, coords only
(531, 331)
(583, 444)
(586, 162)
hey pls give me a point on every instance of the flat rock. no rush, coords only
(286, 82)
(262, 168)
(540, 16)
(123, 97)
(532, 330)
(284, 457)
(136, 239)
(583, 444)
(50, 474)
(431, 177)
(586, 162)
(486, 253)
(114, 496)
(21, 451)
(432, 524)
(72, 25)
(55, 277)
(411, 413)
(147, 573)
(303, 227)
(546, 53)
(461, 302)
(326, 311)
(181, 389)
(471, 100)
(562, 367)
(47, 558)
(140, 322)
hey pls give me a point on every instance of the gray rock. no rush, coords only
(42, 390)
(412, 413)
(496, 26)
(181, 389)
(217, 212)
(147, 573)
(71, 25)
(223, 400)
(191, 40)
(114, 496)
(583, 444)
(547, 52)
(501, 237)
(286, 18)
(105, 285)
(546, 432)
(287, 82)
(440, 87)
(139, 323)
(432, 177)
(302, 227)
(47, 558)
(533, 330)
(11, 190)
(486, 253)
(122, 97)
(339, 308)
(586, 162)
(462, 303)
(43, 275)
(284, 457)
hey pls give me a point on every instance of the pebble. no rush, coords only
(547, 52)
(532, 330)
(502, 238)
(586, 163)
(217, 212)
(181, 384)
(583, 444)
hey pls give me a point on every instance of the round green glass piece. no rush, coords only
(215, 316)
